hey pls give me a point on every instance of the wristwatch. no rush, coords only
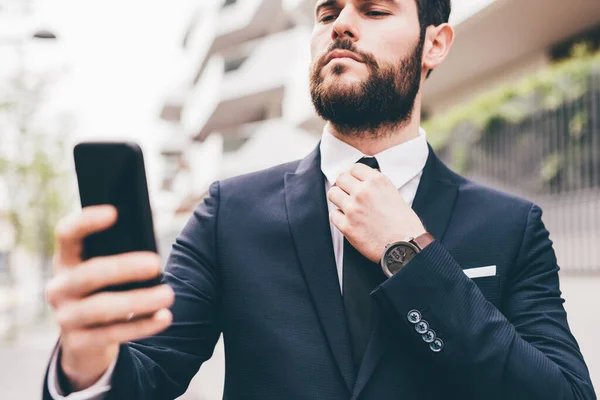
(398, 254)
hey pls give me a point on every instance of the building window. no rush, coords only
(229, 2)
(234, 63)
(233, 142)
(172, 163)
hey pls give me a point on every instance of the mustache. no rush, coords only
(347, 44)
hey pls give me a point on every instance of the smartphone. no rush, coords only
(114, 173)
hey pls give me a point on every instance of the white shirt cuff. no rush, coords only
(95, 392)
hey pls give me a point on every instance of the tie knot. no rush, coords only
(369, 162)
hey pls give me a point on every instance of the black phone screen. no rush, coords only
(113, 173)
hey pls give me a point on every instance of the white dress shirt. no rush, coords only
(402, 164)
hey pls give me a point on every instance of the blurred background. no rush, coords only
(216, 88)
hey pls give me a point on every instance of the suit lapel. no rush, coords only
(433, 203)
(308, 217)
(436, 196)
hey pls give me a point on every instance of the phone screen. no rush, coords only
(113, 173)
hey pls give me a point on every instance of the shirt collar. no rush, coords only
(400, 163)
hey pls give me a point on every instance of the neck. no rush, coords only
(383, 137)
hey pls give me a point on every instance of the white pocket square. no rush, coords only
(480, 272)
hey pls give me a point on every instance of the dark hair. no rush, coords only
(432, 12)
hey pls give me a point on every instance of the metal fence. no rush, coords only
(553, 159)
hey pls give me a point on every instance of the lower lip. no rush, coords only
(342, 58)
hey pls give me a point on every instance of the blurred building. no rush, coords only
(551, 155)
(246, 62)
(505, 41)
(242, 102)
(26, 133)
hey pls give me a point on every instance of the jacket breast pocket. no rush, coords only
(490, 288)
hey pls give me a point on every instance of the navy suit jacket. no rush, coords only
(256, 263)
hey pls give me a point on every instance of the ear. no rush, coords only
(438, 41)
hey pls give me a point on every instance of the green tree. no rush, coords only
(32, 164)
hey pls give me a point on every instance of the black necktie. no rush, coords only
(360, 277)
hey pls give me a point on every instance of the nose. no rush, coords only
(344, 25)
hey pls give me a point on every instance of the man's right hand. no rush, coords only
(93, 325)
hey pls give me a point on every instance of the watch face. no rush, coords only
(397, 256)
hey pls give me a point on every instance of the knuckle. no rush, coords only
(77, 279)
(334, 216)
(329, 194)
(362, 195)
(353, 210)
(337, 217)
(333, 194)
(61, 230)
(372, 184)
(349, 209)
(65, 226)
(341, 178)
(380, 179)
(63, 317)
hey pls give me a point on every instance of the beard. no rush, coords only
(385, 98)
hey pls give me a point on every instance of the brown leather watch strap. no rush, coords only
(423, 240)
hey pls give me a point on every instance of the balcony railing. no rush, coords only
(552, 157)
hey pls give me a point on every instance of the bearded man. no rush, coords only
(367, 270)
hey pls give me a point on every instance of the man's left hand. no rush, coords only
(371, 213)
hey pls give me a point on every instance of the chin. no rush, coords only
(339, 89)
(337, 76)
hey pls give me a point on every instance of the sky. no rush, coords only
(120, 57)
(121, 54)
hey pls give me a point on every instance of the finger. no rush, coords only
(348, 183)
(338, 219)
(119, 333)
(338, 197)
(111, 307)
(100, 272)
(362, 172)
(71, 231)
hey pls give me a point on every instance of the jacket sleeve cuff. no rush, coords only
(412, 286)
(433, 284)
